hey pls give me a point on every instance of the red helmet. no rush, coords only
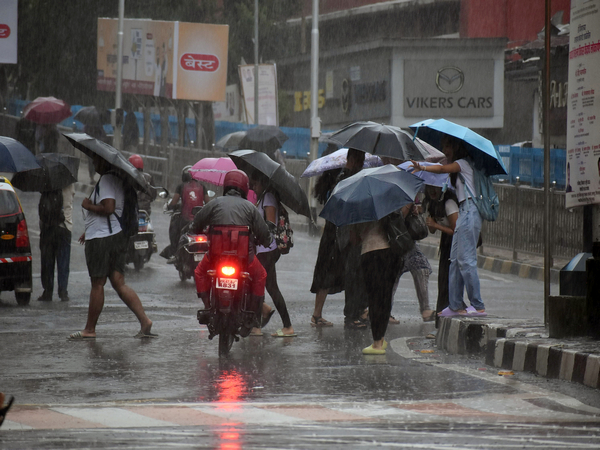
(236, 179)
(137, 161)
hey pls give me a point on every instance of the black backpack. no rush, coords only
(129, 220)
(50, 209)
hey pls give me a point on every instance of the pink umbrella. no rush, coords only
(47, 110)
(212, 170)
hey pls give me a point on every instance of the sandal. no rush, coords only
(319, 322)
(429, 317)
(394, 321)
(355, 325)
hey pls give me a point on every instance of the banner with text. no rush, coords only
(583, 133)
(176, 60)
(267, 93)
(8, 31)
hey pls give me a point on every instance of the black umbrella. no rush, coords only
(93, 147)
(57, 172)
(90, 115)
(263, 138)
(290, 192)
(230, 142)
(15, 157)
(380, 140)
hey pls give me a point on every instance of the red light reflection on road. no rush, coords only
(229, 438)
(231, 388)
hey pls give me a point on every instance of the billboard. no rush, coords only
(8, 31)
(175, 60)
(583, 108)
(267, 93)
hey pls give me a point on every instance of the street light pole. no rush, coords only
(116, 126)
(315, 124)
(256, 62)
(546, 97)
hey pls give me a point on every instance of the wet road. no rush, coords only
(315, 390)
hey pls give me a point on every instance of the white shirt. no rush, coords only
(451, 208)
(68, 193)
(96, 226)
(267, 200)
(467, 172)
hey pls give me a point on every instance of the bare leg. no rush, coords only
(131, 299)
(95, 307)
(320, 302)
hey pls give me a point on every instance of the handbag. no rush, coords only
(416, 226)
(398, 236)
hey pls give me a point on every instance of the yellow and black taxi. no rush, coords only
(15, 249)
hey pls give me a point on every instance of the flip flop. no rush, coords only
(279, 333)
(430, 317)
(77, 336)
(373, 351)
(447, 312)
(472, 312)
(142, 335)
(319, 322)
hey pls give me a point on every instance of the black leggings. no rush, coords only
(380, 270)
(268, 261)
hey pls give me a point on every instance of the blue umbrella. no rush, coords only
(482, 151)
(15, 157)
(370, 195)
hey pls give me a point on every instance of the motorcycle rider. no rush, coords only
(233, 209)
(144, 200)
(192, 193)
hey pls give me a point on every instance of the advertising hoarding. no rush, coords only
(267, 93)
(176, 60)
(8, 31)
(583, 115)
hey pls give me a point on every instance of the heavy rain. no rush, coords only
(241, 224)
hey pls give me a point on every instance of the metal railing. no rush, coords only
(520, 225)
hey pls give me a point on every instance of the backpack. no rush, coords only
(486, 200)
(129, 220)
(192, 195)
(50, 209)
(284, 235)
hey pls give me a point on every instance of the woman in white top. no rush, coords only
(463, 255)
(268, 206)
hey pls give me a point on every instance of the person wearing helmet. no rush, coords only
(234, 209)
(144, 200)
(192, 193)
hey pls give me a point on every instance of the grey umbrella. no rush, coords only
(93, 147)
(290, 192)
(57, 172)
(380, 140)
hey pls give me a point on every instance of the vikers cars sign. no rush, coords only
(449, 88)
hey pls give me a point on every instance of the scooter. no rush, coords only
(142, 245)
(230, 291)
(190, 251)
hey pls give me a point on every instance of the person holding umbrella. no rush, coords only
(463, 254)
(104, 243)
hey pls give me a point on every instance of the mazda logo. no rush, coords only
(449, 79)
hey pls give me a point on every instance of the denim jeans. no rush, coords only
(463, 258)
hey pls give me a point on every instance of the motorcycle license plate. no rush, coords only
(138, 245)
(227, 283)
(198, 256)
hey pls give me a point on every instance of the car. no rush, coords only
(15, 248)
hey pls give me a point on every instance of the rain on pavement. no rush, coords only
(314, 390)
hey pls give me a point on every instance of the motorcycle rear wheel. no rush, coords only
(225, 343)
(138, 262)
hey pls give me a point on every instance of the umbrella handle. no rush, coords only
(415, 135)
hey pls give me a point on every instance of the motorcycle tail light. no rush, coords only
(22, 235)
(228, 271)
(200, 238)
(143, 228)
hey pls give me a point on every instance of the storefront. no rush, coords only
(401, 82)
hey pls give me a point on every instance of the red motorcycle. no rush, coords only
(230, 286)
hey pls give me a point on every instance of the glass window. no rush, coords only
(9, 204)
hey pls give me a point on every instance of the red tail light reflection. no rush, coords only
(231, 389)
(228, 271)
(22, 234)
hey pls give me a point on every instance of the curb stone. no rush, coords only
(522, 346)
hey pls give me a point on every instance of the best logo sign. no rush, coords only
(199, 62)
